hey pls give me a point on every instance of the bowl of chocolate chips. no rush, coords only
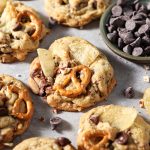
(125, 28)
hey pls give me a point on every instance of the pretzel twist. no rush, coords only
(96, 135)
(34, 21)
(80, 86)
(16, 107)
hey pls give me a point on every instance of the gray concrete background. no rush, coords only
(127, 74)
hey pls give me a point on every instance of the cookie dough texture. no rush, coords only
(18, 24)
(14, 103)
(67, 53)
(75, 13)
(117, 120)
(41, 143)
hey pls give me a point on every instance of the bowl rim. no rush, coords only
(113, 47)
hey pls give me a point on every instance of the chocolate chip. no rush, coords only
(143, 29)
(122, 138)
(111, 28)
(128, 38)
(136, 1)
(62, 141)
(122, 2)
(129, 92)
(127, 49)
(55, 121)
(3, 111)
(116, 11)
(117, 22)
(17, 27)
(25, 19)
(112, 36)
(146, 40)
(120, 43)
(128, 11)
(137, 6)
(137, 51)
(136, 43)
(148, 21)
(94, 119)
(137, 34)
(52, 22)
(130, 25)
(147, 51)
(142, 9)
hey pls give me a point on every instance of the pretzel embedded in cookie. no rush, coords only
(28, 18)
(95, 139)
(16, 107)
(79, 85)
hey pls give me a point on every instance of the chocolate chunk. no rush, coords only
(122, 138)
(146, 40)
(127, 49)
(120, 43)
(117, 22)
(111, 28)
(17, 27)
(52, 22)
(31, 31)
(136, 43)
(112, 36)
(3, 112)
(94, 119)
(148, 21)
(55, 121)
(94, 4)
(116, 11)
(129, 92)
(137, 51)
(147, 51)
(130, 25)
(143, 29)
(62, 141)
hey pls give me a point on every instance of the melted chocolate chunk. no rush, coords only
(3, 111)
(62, 141)
(17, 27)
(122, 138)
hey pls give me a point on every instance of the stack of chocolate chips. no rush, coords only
(129, 27)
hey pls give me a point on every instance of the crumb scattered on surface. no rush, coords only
(146, 79)
(141, 102)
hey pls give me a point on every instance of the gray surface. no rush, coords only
(127, 74)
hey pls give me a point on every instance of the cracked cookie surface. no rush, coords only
(21, 30)
(16, 109)
(113, 127)
(43, 143)
(75, 13)
(73, 76)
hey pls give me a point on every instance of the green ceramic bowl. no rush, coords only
(104, 20)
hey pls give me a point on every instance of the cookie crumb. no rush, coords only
(141, 102)
(9, 144)
(41, 119)
(146, 79)
(54, 111)
(19, 75)
(146, 67)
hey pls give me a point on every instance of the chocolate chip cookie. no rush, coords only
(72, 75)
(113, 127)
(75, 13)
(16, 109)
(42, 143)
(21, 29)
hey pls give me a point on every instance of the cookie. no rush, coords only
(75, 13)
(113, 127)
(16, 109)
(43, 143)
(21, 30)
(72, 75)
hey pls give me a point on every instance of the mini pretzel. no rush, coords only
(103, 137)
(80, 86)
(16, 107)
(34, 22)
